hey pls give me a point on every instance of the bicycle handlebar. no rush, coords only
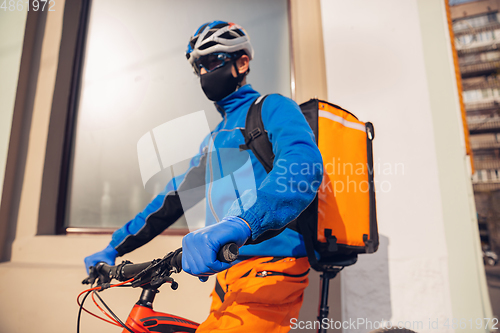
(171, 263)
(227, 253)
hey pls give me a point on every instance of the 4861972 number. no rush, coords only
(33, 5)
(479, 323)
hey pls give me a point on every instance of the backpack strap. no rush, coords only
(257, 141)
(255, 135)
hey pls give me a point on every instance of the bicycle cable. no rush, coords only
(83, 308)
(80, 313)
(102, 310)
(112, 313)
(88, 291)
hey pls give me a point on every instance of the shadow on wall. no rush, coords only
(309, 310)
(366, 291)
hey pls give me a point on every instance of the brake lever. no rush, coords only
(158, 273)
(103, 280)
(147, 275)
(92, 276)
(157, 282)
(88, 280)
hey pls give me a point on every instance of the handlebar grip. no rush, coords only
(228, 253)
(177, 261)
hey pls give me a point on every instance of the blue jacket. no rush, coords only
(265, 201)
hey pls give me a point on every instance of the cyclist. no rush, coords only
(263, 290)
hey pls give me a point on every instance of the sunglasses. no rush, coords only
(211, 62)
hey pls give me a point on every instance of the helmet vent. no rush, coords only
(220, 25)
(210, 33)
(200, 29)
(228, 35)
(193, 42)
(207, 45)
(239, 32)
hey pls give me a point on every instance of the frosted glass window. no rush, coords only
(136, 78)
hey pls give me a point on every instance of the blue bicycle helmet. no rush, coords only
(218, 36)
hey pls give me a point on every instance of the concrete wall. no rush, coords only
(390, 62)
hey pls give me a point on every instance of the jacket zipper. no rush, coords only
(274, 273)
(214, 135)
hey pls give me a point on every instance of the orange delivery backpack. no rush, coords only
(341, 221)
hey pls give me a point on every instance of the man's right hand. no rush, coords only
(108, 255)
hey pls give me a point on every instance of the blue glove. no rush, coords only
(108, 255)
(200, 247)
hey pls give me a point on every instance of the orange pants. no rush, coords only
(261, 294)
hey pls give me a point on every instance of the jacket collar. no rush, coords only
(236, 99)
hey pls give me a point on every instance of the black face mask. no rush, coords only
(220, 83)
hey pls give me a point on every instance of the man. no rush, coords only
(263, 289)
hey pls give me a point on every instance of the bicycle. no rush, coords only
(149, 276)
